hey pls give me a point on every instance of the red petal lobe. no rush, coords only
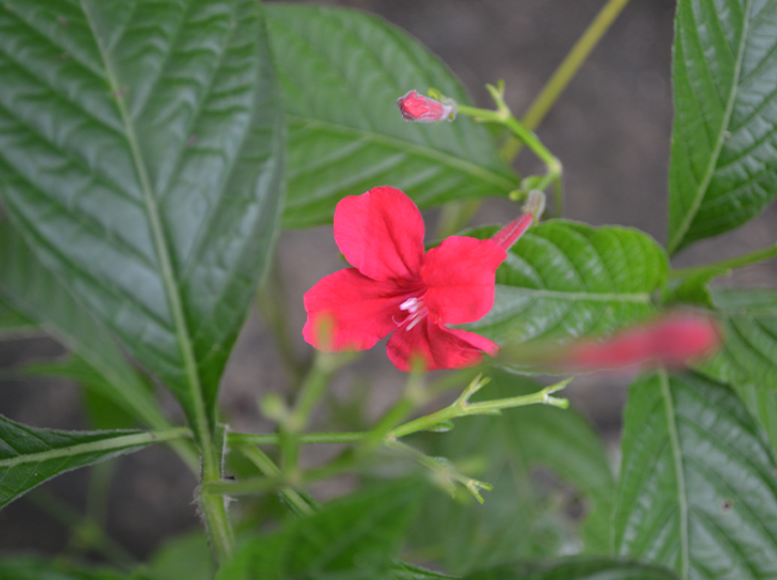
(354, 309)
(381, 233)
(437, 347)
(460, 276)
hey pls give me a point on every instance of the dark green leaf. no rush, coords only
(36, 293)
(698, 491)
(723, 168)
(575, 569)
(29, 456)
(356, 537)
(29, 568)
(564, 280)
(748, 356)
(139, 157)
(342, 72)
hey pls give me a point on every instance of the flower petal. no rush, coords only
(437, 347)
(354, 310)
(381, 233)
(460, 276)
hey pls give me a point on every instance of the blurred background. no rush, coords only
(611, 130)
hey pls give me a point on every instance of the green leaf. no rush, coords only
(186, 557)
(519, 519)
(697, 491)
(30, 568)
(693, 289)
(29, 456)
(762, 403)
(140, 148)
(575, 569)
(748, 356)
(564, 280)
(357, 536)
(35, 293)
(723, 169)
(342, 72)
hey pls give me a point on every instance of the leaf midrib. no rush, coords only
(572, 296)
(702, 189)
(458, 163)
(186, 348)
(114, 443)
(677, 458)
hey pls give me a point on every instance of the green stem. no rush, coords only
(462, 407)
(298, 503)
(238, 439)
(313, 387)
(413, 396)
(446, 474)
(256, 485)
(504, 116)
(571, 63)
(732, 264)
(271, 300)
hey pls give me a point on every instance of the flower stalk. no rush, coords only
(503, 116)
(461, 407)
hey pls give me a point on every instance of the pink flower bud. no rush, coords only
(421, 109)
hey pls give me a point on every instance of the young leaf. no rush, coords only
(723, 170)
(139, 157)
(29, 456)
(357, 536)
(564, 280)
(748, 356)
(343, 72)
(575, 569)
(697, 491)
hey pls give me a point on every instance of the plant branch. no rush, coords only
(300, 504)
(503, 116)
(444, 472)
(571, 64)
(461, 407)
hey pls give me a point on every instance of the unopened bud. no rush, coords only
(673, 341)
(421, 109)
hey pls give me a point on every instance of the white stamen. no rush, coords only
(416, 312)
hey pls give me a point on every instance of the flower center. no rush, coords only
(415, 312)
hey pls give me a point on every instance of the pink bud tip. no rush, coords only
(509, 234)
(672, 341)
(421, 109)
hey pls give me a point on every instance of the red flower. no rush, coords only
(395, 287)
(421, 109)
